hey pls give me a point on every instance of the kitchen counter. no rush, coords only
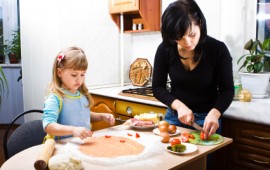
(256, 111)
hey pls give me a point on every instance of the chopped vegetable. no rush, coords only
(122, 141)
(177, 148)
(129, 134)
(137, 135)
(107, 136)
(184, 138)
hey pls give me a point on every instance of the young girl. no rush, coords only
(67, 107)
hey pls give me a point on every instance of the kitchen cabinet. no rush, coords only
(121, 109)
(126, 109)
(102, 105)
(145, 12)
(251, 145)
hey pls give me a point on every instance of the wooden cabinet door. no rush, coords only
(119, 6)
(102, 105)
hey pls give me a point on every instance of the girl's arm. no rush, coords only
(64, 130)
(107, 117)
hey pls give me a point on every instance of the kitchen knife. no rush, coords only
(196, 126)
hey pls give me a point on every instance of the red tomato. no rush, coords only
(184, 138)
(202, 136)
(175, 142)
(129, 134)
(107, 136)
(137, 135)
(191, 136)
(185, 134)
(122, 140)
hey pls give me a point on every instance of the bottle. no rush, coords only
(237, 88)
(134, 27)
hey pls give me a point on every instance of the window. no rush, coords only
(263, 19)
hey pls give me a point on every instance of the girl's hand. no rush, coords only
(108, 118)
(81, 132)
(185, 115)
(211, 123)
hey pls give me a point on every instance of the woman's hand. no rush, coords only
(211, 123)
(108, 118)
(185, 115)
(81, 132)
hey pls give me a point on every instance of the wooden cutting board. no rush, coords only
(140, 71)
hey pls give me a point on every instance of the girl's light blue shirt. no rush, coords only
(70, 110)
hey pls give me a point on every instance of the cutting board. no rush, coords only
(213, 140)
(140, 71)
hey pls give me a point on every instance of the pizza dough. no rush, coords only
(111, 146)
(65, 161)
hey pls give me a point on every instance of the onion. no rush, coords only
(163, 128)
(163, 122)
(165, 137)
(172, 129)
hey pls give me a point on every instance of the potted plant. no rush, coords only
(13, 48)
(256, 79)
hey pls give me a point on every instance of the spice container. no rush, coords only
(237, 88)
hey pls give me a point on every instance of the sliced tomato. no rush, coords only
(107, 136)
(191, 136)
(122, 140)
(185, 134)
(202, 136)
(175, 142)
(137, 135)
(129, 134)
(184, 138)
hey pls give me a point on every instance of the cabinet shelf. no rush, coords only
(145, 12)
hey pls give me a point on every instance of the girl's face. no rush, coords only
(71, 79)
(190, 40)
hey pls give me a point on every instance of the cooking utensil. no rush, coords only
(196, 126)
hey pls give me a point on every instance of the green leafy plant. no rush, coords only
(254, 61)
(14, 46)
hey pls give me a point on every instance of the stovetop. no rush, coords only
(144, 91)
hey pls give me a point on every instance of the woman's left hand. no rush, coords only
(211, 123)
(107, 117)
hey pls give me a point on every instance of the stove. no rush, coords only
(145, 91)
(141, 92)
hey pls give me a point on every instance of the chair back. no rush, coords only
(26, 135)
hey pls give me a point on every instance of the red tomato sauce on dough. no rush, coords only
(111, 147)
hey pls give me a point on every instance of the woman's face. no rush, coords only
(191, 38)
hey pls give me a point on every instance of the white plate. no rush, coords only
(190, 148)
(157, 132)
(143, 127)
(258, 96)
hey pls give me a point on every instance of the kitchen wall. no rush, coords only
(47, 26)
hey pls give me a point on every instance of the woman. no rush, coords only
(200, 69)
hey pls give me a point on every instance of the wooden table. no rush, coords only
(162, 160)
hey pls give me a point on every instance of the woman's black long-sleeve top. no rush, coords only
(209, 85)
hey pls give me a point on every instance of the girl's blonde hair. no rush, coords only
(69, 58)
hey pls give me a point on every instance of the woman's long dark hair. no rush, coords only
(177, 19)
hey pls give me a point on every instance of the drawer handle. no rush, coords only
(120, 120)
(260, 162)
(263, 138)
